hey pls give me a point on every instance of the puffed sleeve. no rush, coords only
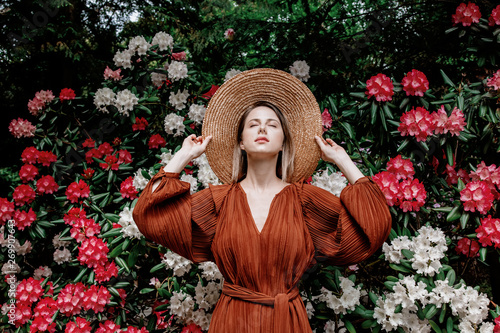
(170, 216)
(348, 229)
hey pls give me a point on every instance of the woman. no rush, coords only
(265, 226)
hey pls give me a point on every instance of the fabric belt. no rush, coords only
(282, 317)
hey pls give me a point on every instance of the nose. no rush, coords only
(262, 128)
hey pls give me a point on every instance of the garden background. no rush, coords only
(96, 102)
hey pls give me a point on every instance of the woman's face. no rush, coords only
(262, 134)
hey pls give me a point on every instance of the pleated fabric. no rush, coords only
(261, 269)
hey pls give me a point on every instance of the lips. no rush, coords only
(261, 139)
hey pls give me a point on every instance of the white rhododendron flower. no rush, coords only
(165, 41)
(330, 327)
(197, 113)
(178, 100)
(174, 124)
(393, 252)
(175, 262)
(104, 97)
(62, 255)
(139, 44)
(166, 157)
(177, 70)
(123, 58)
(158, 78)
(206, 175)
(210, 271)
(333, 183)
(125, 101)
(300, 69)
(129, 228)
(347, 301)
(140, 181)
(181, 305)
(42, 271)
(57, 242)
(231, 73)
(192, 182)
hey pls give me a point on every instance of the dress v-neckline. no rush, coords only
(268, 213)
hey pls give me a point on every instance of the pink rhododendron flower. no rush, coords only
(413, 195)
(489, 174)
(21, 128)
(35, 105)
(93, 252)
(28, 172)
(140, 124)
(46, 96)
(389, 185)
(105, 271)
(108, 327)
(24, 219)
(418, 123)
(179, 56)
(76, 191)
(477, 195)
(74, 215)
(488, 232)
(124, 156)
(127, 188)
(84, 228)
(67, 94)
(452, 175)
(229, 34)
(467, 247)
(29, 291)
(89, 155)
(109, 74)
(456, 122)
(80, 326)
(6, 210)
(401, 167)
(46, 157)
(30, 155)
(96, 298)
(327, 119)
(132, 329)
(156, 141)
(46, 184)
(494, 81)
(466, 14)
(23, 194)
(381, 87)
(44, 310)
(495, 16)
(415, 83)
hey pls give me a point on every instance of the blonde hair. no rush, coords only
(284, 165)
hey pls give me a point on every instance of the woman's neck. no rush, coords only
(261, 174)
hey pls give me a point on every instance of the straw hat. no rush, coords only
(289, 94)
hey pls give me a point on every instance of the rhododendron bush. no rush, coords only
(77, 262)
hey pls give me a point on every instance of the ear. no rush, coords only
(241, 146)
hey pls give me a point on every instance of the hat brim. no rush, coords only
(289, 94)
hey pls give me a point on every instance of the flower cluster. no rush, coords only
(77, 190)
(179, 265)
(174, 124)
(399, 187)
(229, 34)
(110, 74)
(205, 176)
(179, 99)
(495, 16)
(488, 232)
(93, 253)
(489, 174)
(177, 70)
(452, 175)
(40, 101)
(197, 113)
(327, 120)
(415, 83)
(300, 69)
(231, 73)
(381, 87)
(156, 141)
(467, 247)
(22, 128)
(129, 228)
(112, 158)
(333, 183)
(127, 189)
(67, 94)
(347, 301)
(454, 124)
(466, 14)
(477, 196)
(494, 81)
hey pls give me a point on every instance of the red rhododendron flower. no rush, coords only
(191, 328)
(24, 219)
(6, 210)
(452, 175)
(46, 184)
(494, 81)
(381, 87)
(46, 157)
(418, 123)
(117, 141)
(467, 247)
(456, 122)
(327, 119)
(389, 185)
(67, 94)
(88, 143)
(76, 191)
(88, 173)
(21, 128)
(30, 155)
(415, 83)
(413, 195)
(124, 156)
(495, 16)
(132, 329)
(466, 14)
(23, 194)
(84, 228)
(44, 310)
(23, 313)
(127, 188)
(156, 141)
(29, 291)
(401, 167)
(140, 124)
(74, 215)
(109, 74)
(92, 153)
(104, 272)
(35, 105)
(211, 92)
(477, 195)
(179, 56)
(96, 298)
(108, 327)
(93, 252)
(111, 162)
(80, 326)
(488, 232)
(488, 173)
(105, 149)
(28, 172)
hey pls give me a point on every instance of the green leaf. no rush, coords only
(403, 145)
(114, 292)
(374, 112)
(449, 324)
(464, 219)
(81, 274)
(122, 264)
(482, 253)
(116, 251)
(146, 290)
(112, 217)
(446, 79)
(349, 326)
(451, 275)
(435, 326)
(157, 267)
(430, 311)
(449, 154)
(407, 253)
(112, 233)
(400, 268)
(454, 214)
(368, 324)
(348, 129)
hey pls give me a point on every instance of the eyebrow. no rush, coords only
(267, 120)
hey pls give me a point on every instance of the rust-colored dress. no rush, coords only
(261, 270)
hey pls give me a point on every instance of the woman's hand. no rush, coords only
(332, 152)
(192, 147)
